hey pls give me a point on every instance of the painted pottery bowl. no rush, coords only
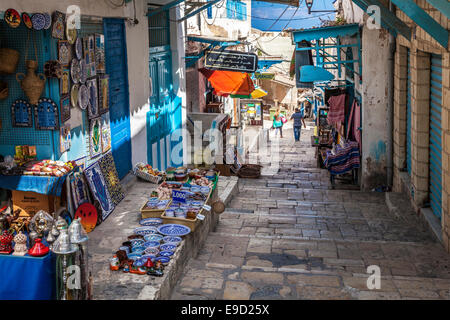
(153, 237)
(139, 262)
(168, 247)
(138, 250)
(145, 230)
(170, 213)
(137, 242)
(164, 260)
(166, 253)
(174, 230)
(151, 222)
(172, 239)
(151, 250)
(149, 256)
(154, 244)
(133, 256)
(125, 248)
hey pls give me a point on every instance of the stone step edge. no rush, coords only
(281, 237)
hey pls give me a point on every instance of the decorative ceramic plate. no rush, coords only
(151, 250)
(12, 18)
(153, 237)
(79, 48)
(164, 260)
(154, 244)
(145, 230)
(151, 222)
(75, 70)
(83, 97)
(138, 250)
(83, 71)
(48, 20)
(89, 216)
(38, 20)
(74, 95)
(171, 239)
(133, 256)
(137, 242)
(166, 253)
(71, 34)
(149, 256)
(27, 20)
(174, 230)
(139, 262)
(168, 247)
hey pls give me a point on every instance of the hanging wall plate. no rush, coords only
(21, 114)
(48, 20)
(83, 71)
(74, 95)
(83, 97)
(27, 20)
(79, 48)
(12, 18)
(38, 20)
(75, 70)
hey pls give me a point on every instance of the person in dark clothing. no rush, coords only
(298, 119)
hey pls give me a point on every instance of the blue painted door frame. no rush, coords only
(117, 68)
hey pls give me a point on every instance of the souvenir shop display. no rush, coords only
(53, 69)
(79, 49)
(106, 132)
(65, 108)
(49, 168)
(80, 193)
(75, 70)
(38, 249)
(74, 95)
(87, 213)
(111, 176)
(96, 181)
(65, 138)
(48, 20)
(20, 244)
(32, 84)
(27, 20)
(64, 83)
(38, 21)
(91, 84)
(58, 27)
(83, 70)
(12, 18)
(64, 52)
(100, 53)
(6, 240)
(95, 137)
(83, 97)
(71, 33)
(146, 172)
(46, 115)
(21, 114)
(103, 93)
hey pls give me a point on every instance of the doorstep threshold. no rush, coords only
(433, 222)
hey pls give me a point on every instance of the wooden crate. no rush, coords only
(192, 224)
(152, 213)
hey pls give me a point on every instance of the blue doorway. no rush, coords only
(119, 109)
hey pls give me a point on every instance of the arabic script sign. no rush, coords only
(231, 61)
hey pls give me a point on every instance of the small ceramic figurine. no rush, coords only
(39, 249)
(20, 248)
(127, 266)
(123, 258)
(114, 263)
(152, 270)
(138, 270)
(6, 242)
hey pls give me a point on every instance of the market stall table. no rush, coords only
(48, 185)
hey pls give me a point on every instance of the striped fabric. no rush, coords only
(345, 159)
(337, 109)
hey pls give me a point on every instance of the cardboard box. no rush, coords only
(31, 202)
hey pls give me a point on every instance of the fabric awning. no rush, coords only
(258, 93)
(229, 82)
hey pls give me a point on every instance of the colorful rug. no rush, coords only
(108, 167)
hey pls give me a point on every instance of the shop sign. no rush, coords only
(265, 75)
(231, 61)
(179, 196)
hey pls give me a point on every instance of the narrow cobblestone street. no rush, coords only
(288, 235)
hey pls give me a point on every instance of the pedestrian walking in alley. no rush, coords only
(278, 123)
(298, 119)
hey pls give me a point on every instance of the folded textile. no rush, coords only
(336, 114)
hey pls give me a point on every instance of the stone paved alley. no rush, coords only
(289, 236)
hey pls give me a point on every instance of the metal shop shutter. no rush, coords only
(436, 135)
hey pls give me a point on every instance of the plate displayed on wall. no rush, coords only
(75, 70)
(89, 216)
(48, 20)
(74, 95)
(38, 20)
(27, 20)
(79, 48)
(177, 230)
(83, 97)
(83, 71)
(12, 18)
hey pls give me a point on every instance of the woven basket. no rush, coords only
(146, 176)
(250, 171)
(9, 58)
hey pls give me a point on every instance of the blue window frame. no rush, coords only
(236, 10)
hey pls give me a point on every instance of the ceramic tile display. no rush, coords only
(108, 167)
(21, 114)
(64, 53)
(103, 93)
(65, 138)
(95, 138)
(58, 27)
(89, 55)
(99, 190)
(80, 193)
(65, 108)
(106, 132)
(100, 53)
(64, 82)
(91, 84)
(46, 115)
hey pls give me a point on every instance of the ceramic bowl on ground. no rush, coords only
(125, 248)
(145, 230)
(133, 256)
(168, 247)
(152, 251)
(153, 237)
(166, 253)
(139, 262)
(204, 190)
(137, 242)
(154, 244)
(138, 250)
(164, 260)
(170, 213)
(151, 222)
(172, 239)
(172, 229)
(149, 256)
